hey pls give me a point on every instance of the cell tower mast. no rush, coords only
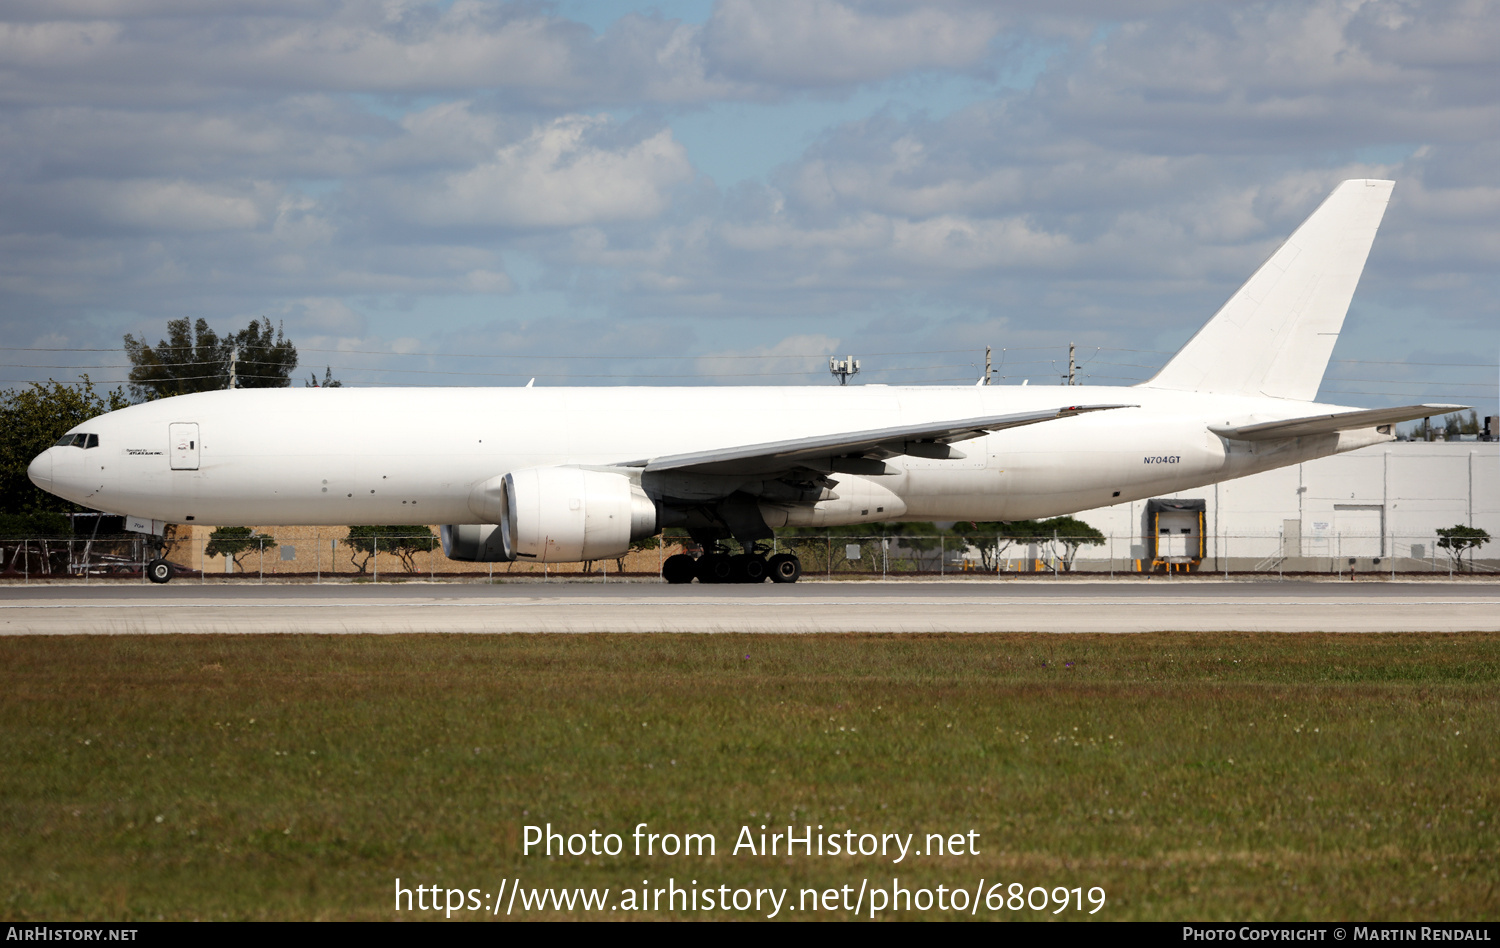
(841, 369)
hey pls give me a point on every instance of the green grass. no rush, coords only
(1203, 776)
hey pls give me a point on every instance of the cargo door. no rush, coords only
(184, 446)
(1177, 535)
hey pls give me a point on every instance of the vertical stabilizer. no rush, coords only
(1275, 334)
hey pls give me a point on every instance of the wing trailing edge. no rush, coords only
(1330, 423)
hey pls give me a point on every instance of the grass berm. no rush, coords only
(1192, 776)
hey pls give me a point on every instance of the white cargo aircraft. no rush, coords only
(569, 474)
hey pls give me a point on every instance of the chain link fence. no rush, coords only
(323, 555)
(1240, 555)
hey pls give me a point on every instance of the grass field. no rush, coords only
(1198, 776)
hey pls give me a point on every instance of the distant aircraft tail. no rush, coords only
(1275, 334)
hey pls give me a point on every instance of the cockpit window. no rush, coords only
(92, 442)
(63, 442)
(79, 440)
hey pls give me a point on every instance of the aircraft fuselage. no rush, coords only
(414, 455)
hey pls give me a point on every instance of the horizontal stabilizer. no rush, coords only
(916, 440)
(1328, 424)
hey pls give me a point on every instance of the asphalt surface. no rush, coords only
(967, 606)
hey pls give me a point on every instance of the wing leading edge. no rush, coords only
(928, 440)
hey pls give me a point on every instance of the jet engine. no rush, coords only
(554, 515)
(475, 543)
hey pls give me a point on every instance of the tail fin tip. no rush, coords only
(1275, 334)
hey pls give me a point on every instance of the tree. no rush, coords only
(813, 544)
(644, 543)
(1070, 534)
(18, 530)
(196, 359)
(993, 537)
(404, 540)
(1063, 536)
(1449, 426)
(637, 546)
(1459, 539)
(31, 420)
(328, 380)
(921, 537)
(266, 360)
(28, 525)
(188, 360)
(235, 543)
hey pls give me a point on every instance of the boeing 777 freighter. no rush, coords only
(569, 474)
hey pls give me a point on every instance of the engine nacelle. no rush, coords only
(476, 543)
(564, 514)
(854, 500)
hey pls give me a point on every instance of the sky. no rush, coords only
(693, 192)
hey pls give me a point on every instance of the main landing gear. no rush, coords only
(715, 566)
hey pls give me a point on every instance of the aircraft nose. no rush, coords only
(40, 470)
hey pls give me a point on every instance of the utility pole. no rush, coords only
(843, 368)
(986, 365)
(234, 358)
(1071, 365)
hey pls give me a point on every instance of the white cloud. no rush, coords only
(953, 243)
(557, 177)
(54, 44)
(162, 52)
(326, 316)
(1262, 78)
(785, 362)
(828, 42)
(174, 206)
(346, 162)
(489, 281)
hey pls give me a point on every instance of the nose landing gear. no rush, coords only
(158, 570)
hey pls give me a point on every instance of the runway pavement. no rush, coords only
(1000, 606)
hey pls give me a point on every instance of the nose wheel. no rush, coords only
(159, 571)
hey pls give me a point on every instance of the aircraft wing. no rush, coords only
(921, 440)
(1328, 424)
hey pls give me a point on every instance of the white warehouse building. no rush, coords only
(1383, 503)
